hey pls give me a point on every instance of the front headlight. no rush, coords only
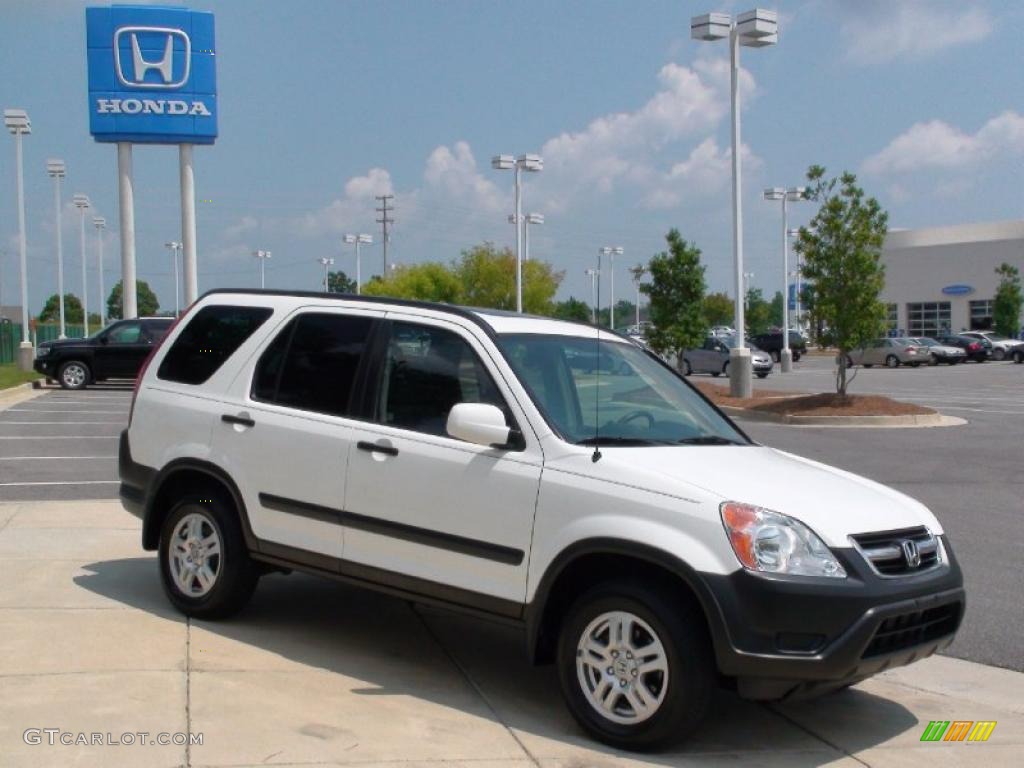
(771, 542)
(42, 351)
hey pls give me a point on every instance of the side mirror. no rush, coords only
(478, 423)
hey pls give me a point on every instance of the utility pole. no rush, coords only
(384, 210)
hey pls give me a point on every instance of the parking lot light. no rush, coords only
(532, 164)
(785, 195)
(531, 218)
(56, 170)
(611, 252)
(262, 256)
(358, 240)
(100, 223)
(17, 123)
(592, 274)
(175, 247)
(82, 203)
(327, 264)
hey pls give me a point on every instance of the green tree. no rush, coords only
(758, 313)
(146, 300)
(1007, 304)
(430, 281)
(676, 293)
(572, 309)
(719, 309)
(72, 310)
(775, 316)
(841, 250)
(339, 282)
(625, 313)
(488, 278)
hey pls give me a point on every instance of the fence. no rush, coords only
(10, 337)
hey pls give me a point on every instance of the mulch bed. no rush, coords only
(828, 404)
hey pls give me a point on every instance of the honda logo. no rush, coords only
(911, 553)
(161, 57)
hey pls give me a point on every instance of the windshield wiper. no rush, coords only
(606, 440)
(708, 440)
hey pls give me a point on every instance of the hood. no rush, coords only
(832, 502)
(59, 343)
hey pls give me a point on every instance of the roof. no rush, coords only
(960, 233)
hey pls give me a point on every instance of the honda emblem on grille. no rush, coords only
(911, 553)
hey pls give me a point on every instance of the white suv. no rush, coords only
(454, 457)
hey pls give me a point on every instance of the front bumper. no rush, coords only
(46, 366)
(787, 637)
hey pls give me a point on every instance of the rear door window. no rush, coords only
(209, 339)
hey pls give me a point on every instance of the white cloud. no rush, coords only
(882, 30)
(707, 171)
(453, 173)
(937, 144)
(239, 228)
(354, 209)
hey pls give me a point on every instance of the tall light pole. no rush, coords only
(358, 240)
(82, 203)
(100, 223)
(754, 29)
(56, 170)
(592, 274)
(327, 264)
(611, 252)
(17, 122)
(794, 232)
(785, 195)
(262, 256)
(638, 274)
(748, 278)
(175, 246)
(532, 164)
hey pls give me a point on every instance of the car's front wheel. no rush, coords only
(204, 565)
(74, 374)
(636, 666)
(762, 374)
(999, 354)
(892, 361)
(1018, 357)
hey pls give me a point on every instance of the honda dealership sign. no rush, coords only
(152, 75)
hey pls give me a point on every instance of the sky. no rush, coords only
(324, 104)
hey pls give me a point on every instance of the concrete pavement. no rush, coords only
(316, 673)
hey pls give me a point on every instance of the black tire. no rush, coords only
(933, 360)
(725, 368)
(869, 365)
(998, 354)
(1018, 357)
(682, 631)
(914, 364)
(687, 370)
(849, 362)
(716, 374)
(796, 356)
(236, 574)
(761, 375)
(74, 374)
(777, 356)
(892, 361)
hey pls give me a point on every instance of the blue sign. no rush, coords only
(152, 75)
(958, 290)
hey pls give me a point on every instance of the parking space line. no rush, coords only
(45, 458)
(62, 482)
(56, 410)
(59, 437)
(16, 423)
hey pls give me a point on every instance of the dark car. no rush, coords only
(116, 352)
(772, 344)
(974, 348)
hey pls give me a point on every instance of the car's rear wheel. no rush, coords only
(74, 374)
(725, 368)
(796, 356)
(776, 356)
(204, 565)
(1018, 357)
(869, 365)
(636, 667)
(688, 370)
(999, 354)
(762, 374)
(933, 360)
(914, 364)
(892, 361)
(716, 374)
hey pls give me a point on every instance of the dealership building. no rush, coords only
(944, 278)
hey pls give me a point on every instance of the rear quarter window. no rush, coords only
(209, 339)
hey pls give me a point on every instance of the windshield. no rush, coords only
(634, 399)
(926, 342)
(994, 336)
(730, 342)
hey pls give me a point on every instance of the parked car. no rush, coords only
(1018, 355)
(974, 348)
(641, 549)
(941, 353)
(116, 352)
(721, 331)
(713, 358)
(1002, 346)
(891, 353)
(772, 344)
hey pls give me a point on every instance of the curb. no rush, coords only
(913, 420)
(18, 394)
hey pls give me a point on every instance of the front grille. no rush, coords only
(891, 553)
(910, 629)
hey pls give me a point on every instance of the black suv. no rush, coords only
(116, 352)
(772, 344)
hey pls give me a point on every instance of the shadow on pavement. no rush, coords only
(301, 621)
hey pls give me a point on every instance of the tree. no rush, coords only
(775, 315)
(339, 282)
(145, 299)
(676, 293)
(72, 309)
(431, 281)
(1007, 304)
(488, 278)
(758, 313)
(719, 309)
(572, 309)
(625, 313)
(841, 250)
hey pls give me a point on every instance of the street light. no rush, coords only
(56, 170)
(82, 203)
(175, 247)
(593, 273)
(327, 264)
(532, 164)
(785, 195)
(100, 223)
(611, 252)
(747, 279)
(358, 240)
(262, 256)
(754, 29)
(17, 122)
(638, 274)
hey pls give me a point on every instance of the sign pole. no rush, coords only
(126, 191)
(188, 221)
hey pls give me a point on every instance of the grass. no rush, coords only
(10, 376)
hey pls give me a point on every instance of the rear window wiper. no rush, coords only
(708, 440)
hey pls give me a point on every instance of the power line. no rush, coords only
(384, 221)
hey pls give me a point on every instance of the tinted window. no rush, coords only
(427, 371)
(209, 339)
(126, 333)
(312, 363)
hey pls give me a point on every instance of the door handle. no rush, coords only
(362, 445)
(244, 421)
